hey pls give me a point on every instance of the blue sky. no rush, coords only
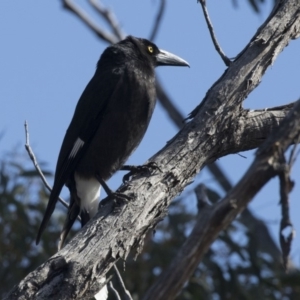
(48, 57)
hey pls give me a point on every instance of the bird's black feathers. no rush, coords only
(110, 119)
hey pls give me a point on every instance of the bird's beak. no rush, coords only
(165, 58)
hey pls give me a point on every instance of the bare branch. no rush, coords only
(128, 296)
(226, 60)
(251, 128)
(267, 164)
(115, 292)
(83, 16)
(37, 167)
(109, 17)
(248, 219)
(110, 235)
(286, 232)
(158, 19)
(294, 153)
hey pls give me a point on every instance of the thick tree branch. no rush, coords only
(212, 219)
(250, 128)
(259, 134)
(74, 271)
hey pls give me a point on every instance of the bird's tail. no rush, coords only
(73, 212)
(49, 211)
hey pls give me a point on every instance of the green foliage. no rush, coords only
(22, 202)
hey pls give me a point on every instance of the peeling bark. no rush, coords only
(218, 126)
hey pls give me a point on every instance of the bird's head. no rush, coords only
(151, 52)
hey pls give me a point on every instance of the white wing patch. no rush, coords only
(77, 145)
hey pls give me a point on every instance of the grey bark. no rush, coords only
(252, 119)
(74, 272)
(269, 162)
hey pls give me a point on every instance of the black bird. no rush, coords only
(110, 120)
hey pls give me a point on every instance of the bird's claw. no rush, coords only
(151, 166)
(116, 199)
(120, 196)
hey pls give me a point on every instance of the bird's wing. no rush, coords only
(87, 117)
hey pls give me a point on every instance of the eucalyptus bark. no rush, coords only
(218, 126)
(269, 162)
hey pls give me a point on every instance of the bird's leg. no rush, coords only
(136, 169)
(109, 192)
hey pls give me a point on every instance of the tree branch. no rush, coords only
(248, 219)
(37, 167)
(212, 219)
(250, 128)
(158, 20)
(109, 17)
(286, 231)
(218, 48)
(104, 35)
(121, 282)
(74, 271)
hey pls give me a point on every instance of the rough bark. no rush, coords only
(269, 162)
(268, 120)
(74, 272)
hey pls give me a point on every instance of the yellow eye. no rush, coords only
(150, 49)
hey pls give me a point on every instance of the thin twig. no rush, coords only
(128, 296)
(226, 60)
(109, 17)
(114, 291)
(293, 155)
(286, 232)
(243, 156)
(158, 19)
(83, 16)
(37, 167)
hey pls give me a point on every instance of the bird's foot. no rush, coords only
(111, 195)
(117, 196)
(114, 202)
(151, 166)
